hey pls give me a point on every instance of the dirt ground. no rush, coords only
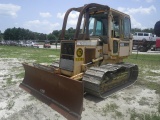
(16, 104)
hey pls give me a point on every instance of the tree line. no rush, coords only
(25, 34)
(148, 30)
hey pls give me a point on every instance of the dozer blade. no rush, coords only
(59, 92)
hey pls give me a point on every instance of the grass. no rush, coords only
(154, 86)
(39, 55)
(138, 116)
(143, 101)
(26, 53)
(10, 104)
(20, 75)
(128, 99)
(147, 63)
(119, 114)
(159, 108)
(153, 57)
(9, 81)
(109, 108)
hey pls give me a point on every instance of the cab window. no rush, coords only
(116, 27)
(99, 28)
(98, 24)
(127, 27)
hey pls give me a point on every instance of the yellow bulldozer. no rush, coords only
(90, 62)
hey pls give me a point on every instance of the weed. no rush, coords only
(119, 114)
(8, 95)
(143, 101)
(10, 104)
(114, 96)
(128, 99)
(20, 75)
(3, 86)
(153, 86)
(9, 81)
(134, 115)
(109, 108)
(151, 73)
(144, 116)
(159, 107)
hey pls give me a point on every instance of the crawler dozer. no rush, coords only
(90, 62)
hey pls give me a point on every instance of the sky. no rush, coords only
(44, 16)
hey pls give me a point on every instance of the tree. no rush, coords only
(148, 30)
(56, 33)
(1, 36)
(51, 36)
(22, 34)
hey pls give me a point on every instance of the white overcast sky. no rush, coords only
(44, 16)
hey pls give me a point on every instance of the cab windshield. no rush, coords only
(98, 24)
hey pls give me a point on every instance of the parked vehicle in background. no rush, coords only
(31, 44)
(139, 36)
(143, 41)
(21, 43)
(13, 43)
(35, 44)
(27, 44)
(8, 42)
(2, 42)
(47, 44)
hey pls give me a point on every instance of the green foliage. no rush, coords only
(1, 36)
(159, 108)
(10, 104)
(56, 33)
(139, 116)
(144, 58)
(153, 86)
(28, 53)
(146, 64)
(109, 108)
(25, 34)
(143, 101)
(149, 30)
(22, 34)
(9, 80)
(136, 115)
(20, 75)
(51, 37)
(119, 114)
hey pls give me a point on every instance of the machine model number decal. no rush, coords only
(79, 52)
(79, 59)
(124, 44)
